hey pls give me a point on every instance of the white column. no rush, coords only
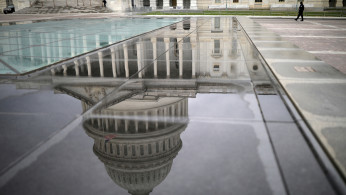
(48, 51)
(136, 121)
(97, 40)
(139, 59)
(73, 50)
(117, 59)
(99, 124)
(116, 125)
(88, 65)
(109, 39)
(180, 45)
(153, 4)
(31, 48)
(157, 118)
(184, 107)
(175, 110)
(179, 4)
(225, 68)
(76, 67)
(126, 60)
(179, 110)
(193, 4)
(42, 48)
(101, 63)
(193, 59)
(172, 117)
(165, 115)
(146, 121)
(60, 46)
(113, 62)
(265, 3)
(165, 4)
(85, 45)
(107, 124)
(126, 122)
(65, 69)
(339, 3)
(153, 41)
(168, 67)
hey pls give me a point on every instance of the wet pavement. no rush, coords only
(191, 108)
(316, 88)
(324, 38)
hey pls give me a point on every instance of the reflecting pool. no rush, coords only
(186, 109)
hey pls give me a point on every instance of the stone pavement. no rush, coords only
(316, 89)
(63, 9)
(324, 38)
(32, 17)
(62, 6)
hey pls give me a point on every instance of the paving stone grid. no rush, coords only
(324, 38)
(316, 89)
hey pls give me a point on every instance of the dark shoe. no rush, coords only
(302, 20)
(295, 19)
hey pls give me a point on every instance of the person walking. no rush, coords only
(104, 3)
(301, 10)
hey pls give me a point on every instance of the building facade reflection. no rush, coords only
(211, 49)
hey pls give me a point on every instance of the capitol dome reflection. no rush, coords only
(137, 139)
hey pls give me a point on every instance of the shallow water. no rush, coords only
(174, 111)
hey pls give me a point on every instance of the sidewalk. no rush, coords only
(316, 89)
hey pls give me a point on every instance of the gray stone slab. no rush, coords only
(335, 137)
(216, 158)
(69, 167)
(325, 38)
(280, 45)
(287, 55)
(273, 109)
(29, 117)
(331, 133)
(219, 159)
(276, 38)
(293, 110)
(302, 173)
(322, 99)
(229, 106)
(261, 34)
(307, 70)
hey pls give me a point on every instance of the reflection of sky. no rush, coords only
(29, 117)
(225, 150)
(217, 159)
(228, 106)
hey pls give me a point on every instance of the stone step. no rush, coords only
(63, 9)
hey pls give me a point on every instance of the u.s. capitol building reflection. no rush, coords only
(137, 140)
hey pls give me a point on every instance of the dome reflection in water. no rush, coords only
(137, 139)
